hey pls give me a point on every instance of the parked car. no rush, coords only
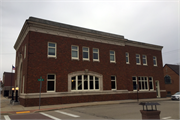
(176, 96)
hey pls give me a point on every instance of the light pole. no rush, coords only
(16, 94)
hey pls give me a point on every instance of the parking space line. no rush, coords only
(7, 117)
(66, 113)
(166, 117)
(55, 118)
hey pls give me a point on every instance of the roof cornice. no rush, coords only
(60, 29)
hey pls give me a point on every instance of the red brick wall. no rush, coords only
(9, 79)
(40, 65)
(174, 86)
(87, 98)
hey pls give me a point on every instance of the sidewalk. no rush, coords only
(7, 108)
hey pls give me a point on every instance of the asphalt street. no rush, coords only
(169, 111)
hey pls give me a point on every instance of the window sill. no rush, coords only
(96, 61)
(128, 63)
(52, 57)
(155, 65)
(51, 91)
(86, 60)
(145, 65)
(113, 62)
(138, 63)
(75, 59)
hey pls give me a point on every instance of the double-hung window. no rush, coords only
(51, 49)
(112, 56)
(74, 52)
(113, 82)
(51, 82)
(144, 59)
(95, 54)
(154, 61)
(138, 61)
(127, 58)
(151, 85)
(85, 53)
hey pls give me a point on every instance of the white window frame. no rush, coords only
(136, 83)
(88, 77)
(152, 83)
(115, 83)
(145, 59)
(54, 56)
(97, 53)
(75, 58)
(139, 59)
(127, 56)
(113, 55)
(51, 80)
(141, 81)
(87, 52)
(155, 60)
(24, 51)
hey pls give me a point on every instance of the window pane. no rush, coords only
(85, 55)
(96, 78)
(91, 77)
(96, 84)
(137, 60)
(134, 78)
(50, 76)
(154, 61)
(79, 82)
(113, 85)
(111, 57)
(85, 49)
(73, 84)
(50, 85)
(95, 50)
(52, 44)
(134, 85)
(150, 78)
(111, 52)
(51, 51)
(144, 56)
(150, 85)
(145, 85)
(139, 85)
(142, 84)
(127, 59)
(95, 55)
(85, 82)
(74, 54)
(144, 61)
(137, 56)
(74, 47)
(112, 77)
(91, 85)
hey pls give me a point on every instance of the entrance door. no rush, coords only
(157, 89)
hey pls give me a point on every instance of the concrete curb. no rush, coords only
(85, 104)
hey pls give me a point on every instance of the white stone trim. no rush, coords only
(85, 35)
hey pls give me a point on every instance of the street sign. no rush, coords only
(40, 79)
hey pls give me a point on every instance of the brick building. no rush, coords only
(171, 78)
(83, 65)
(8, 83)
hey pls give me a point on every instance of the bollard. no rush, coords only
(150, 113)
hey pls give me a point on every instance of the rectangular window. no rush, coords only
(144, 59)
(143, 83)
(154, 61)
(112, 56)
(24, 51)
(51, 79)
(151, 85)
(74, 52)
(138, 61)
(51, 49)
(85, 53)
(113, 82)
(134, 79)
(127, 58)
(95, 54)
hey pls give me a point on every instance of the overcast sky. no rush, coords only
(150, 21)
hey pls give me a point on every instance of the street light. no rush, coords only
(16, 94)
(12, 94)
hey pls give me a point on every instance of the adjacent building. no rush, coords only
(83, 65)
(171, 78)
(8, 83)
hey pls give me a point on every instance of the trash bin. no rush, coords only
(150, 113)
